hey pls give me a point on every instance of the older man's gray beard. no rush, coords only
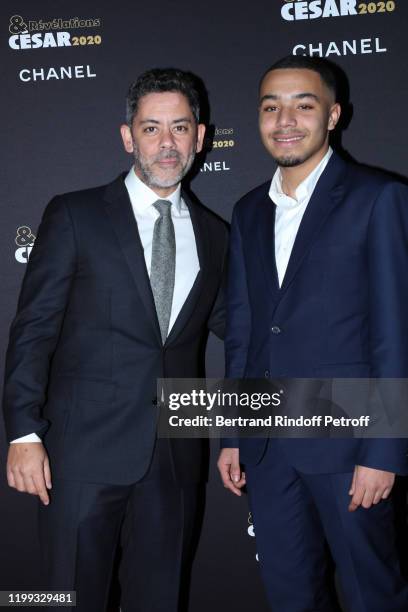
(148, 175)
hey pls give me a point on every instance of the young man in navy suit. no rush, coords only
(122, 287)
(318, 288)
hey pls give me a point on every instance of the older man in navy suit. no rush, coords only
(123, 285)
(318, 288)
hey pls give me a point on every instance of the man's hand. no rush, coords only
(28, 469)
(369, 486)
(230, 470)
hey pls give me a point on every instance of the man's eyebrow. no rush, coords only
(306, 94)
(150, 121)
(156, 122)
(182, 120)
(299, 96)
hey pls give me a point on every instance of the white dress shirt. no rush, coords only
(142, 199)
(290, 211)
(187, 264)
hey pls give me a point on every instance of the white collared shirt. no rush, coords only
(290, 211)
(142, 199)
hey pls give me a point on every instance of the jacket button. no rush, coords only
(267, 373)
(154, 401)
(275, 329)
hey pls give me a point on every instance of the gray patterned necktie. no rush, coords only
(163, 266)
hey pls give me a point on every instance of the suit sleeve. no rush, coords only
(216, 321)
(388, 298)
(238, 324)
(238, 328)
(35, 330)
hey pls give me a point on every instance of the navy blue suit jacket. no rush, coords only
(341, 309)
(85, 347)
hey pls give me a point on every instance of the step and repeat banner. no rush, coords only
(65, 70)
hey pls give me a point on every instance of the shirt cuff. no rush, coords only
(32, 437)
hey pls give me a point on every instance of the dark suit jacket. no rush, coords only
(342, 308)
(85, 348)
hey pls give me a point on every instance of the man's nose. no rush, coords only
(167, 140)
(286, 118)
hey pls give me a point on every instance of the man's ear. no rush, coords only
(126, 138)
(200, 137)
(334, 116)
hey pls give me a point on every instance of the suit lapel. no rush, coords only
(123, 222)
(327, 195)
(266, 233)
(202, 244)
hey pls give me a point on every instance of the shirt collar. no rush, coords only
(303, 191)
(142, 197)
